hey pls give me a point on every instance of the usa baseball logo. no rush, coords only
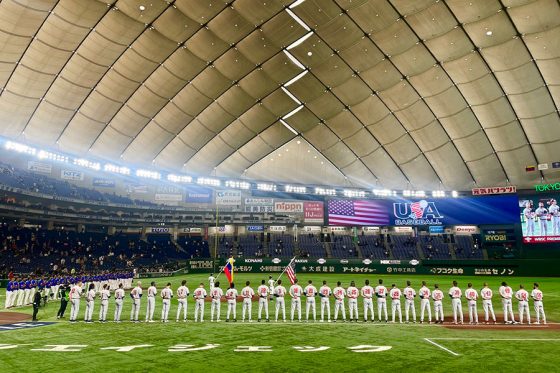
(416, 213)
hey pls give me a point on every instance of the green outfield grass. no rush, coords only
(413, 346)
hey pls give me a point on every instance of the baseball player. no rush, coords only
(20, 293)
(199, 296)
(472, 295)
(216, 295)
(271, 286)
(455, 293)
(152, 291)
(8, 294)
(262, 291)
(409, 295)
(27, 292)
(530, 219)
(105, 294)
(537, 296)
(352, 292)
(119, 297)
(75, 293)
(166, 295)
(381, 293)
(310, 292)
(90, 302)
(279, 293)
(135, 294)
(339, 294)
(182, 294)
(554, 212)
(367, 293)
(523, 297)
(211, 281)
(296, 292)
(395, 294)
(325, 293)
(506, 293)
(541, 212)
(486, 295)
(247, 293)
(437, 296)
(231, 297)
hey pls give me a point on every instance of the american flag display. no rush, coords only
(357, 212)
(291, 271)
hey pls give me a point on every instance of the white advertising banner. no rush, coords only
(228, 198)
(189, 230)
(277, 228)
(71, 175)
(41, 167)
(161, 197)
(226, 229)
(289, 207)
(259, 201)
(465, 229)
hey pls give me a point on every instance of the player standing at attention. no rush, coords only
(247, 293)
(352, 292)
(437, 296)
(530, 219)
(135, 294)
(216, 295)
(367, 293)
(262, 291)
(409, 294)
(119, 297)
(152, 291)
(90, 302)
(381, 293)
(472, 295)
(486, 295)
(296, 292)
(339, 294)
(506, 293)
(166, 295)
(271, 286)
(279, 293)
(75, 293)
(310, 292)
(231, 297)
(537, 296)
(395, 295)
(523, 297)
(182, 294)
(325, 293)
(541, 212)
(455, 293)
(199, 296)
(425, 294)
(105, 295)
(211, 281)
(554, 212)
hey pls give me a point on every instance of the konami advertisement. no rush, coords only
(540, 219)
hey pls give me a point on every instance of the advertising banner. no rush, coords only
(228, 198)
(540, 219)
(255, 228)
(190, 230)
(104, 183)
(289, 207)
(195, 194)
(137, 188)
(159, 230)
(465, 229)
(436, 229)
(313, 212)
(259, 201)
(161, 197)
(71, 175)
(277, 228)
(494, 190)
(40, 167)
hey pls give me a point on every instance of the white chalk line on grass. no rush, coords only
(441, 347)
(432, 341)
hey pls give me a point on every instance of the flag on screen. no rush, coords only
(228, 270)
(357, 212)
(555, 164)
(530, 168)
(291, 271)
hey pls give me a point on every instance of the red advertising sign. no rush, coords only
(313, 212)
(494, 190)
(541, 239)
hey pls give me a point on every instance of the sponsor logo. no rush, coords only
(321, 261)
(536, 239)
(343, 261)
(390, 262)
(276, 260)
(414, 262)
(288, 207)
(547, 187)
(301, 261)
(417, 213)
(366, 261)
(253, 260)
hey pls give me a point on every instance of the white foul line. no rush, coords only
(497, 339)
(440, 346)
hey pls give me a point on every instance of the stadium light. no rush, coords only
(43, 154)
(208, 181)
(20, 148)
(438, 194)
(116, 169)
(454, 194)
(179, 178)
(87, 164)
(148, 174)
(325, 192)
(266, 187)
(384, 192)
(237, 184)
(349, 193)
(406, 193)
(295, 189)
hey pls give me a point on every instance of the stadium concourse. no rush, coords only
(390, 165)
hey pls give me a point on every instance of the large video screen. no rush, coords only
(540, 219)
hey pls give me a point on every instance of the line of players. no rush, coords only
(543, 215)
(275, 290)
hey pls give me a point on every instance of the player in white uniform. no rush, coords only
(247, 293)
(367, 293)
(135, 294)
(75, 293)
(105, 294)
(437, 296)
(541, 212)
(424, 293)
(90, 302)
(339, 294)
(231, 297)
(310, 292)
(530, 219)
(486, 295)
(554, 212)
(506, 293)
(472, 295)
(271, 286)
(119, 298)
(455, 293)
(199, 296)
(296, 292)
(395, 294)
(216, 295)
(537, 296)
(182, 295)
(523, 297)
(166, 295)
(409, 294)
(262, 292)
(279, 294)
(325, 293)
(352, 293)
(152, 292)
(381, 293)
(211, 281)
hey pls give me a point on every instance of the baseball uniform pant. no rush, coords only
(325, 304)
(247, 306)
(382, 305)
(353, 308)
(103, 310)
(74, 309)
(89, 310)
(524, 309)
(199, 310)
(473, 312)
(539, 310)
(310, 305)
(8, 297)
(488, 310)
(263, 303)
(214, 310)
(296, 305)
(555, 225)
(135, 310)
(31, 295)
(280, 304)
(150, 309)
(543, 226)
(368, 306)
(230, 310)
(26, 296)
(508, 309)
(396, 308)
(438, 310)
(457, 309)
(530, 227)
(118, 309)
(409, 305)
(182, 306)
(165, 309)
(20, 297)
(339, 305)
